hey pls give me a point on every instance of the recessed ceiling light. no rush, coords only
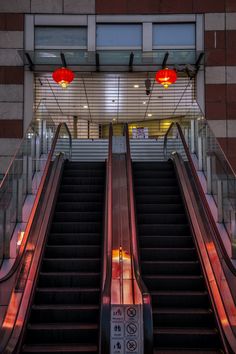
(85, 106)
(144, 102)
(149, 114)
(136, 86)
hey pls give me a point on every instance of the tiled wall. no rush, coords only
(11, 75)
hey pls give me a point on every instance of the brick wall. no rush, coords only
(11, 75)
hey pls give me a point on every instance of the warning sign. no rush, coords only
(131, 328)
(117, 346)
(126, 329)
(131, 346)
(131, 313)
(117, 330)
(117, 313)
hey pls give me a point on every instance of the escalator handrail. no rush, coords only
(26, 277)
(36, 202)
(147, 308)
(203, 197)
(104, 345)
(227, 334)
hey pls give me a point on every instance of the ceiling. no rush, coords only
(113, 97)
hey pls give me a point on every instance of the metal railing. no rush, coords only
(21, 179)
(21, 279)
(210, 259)
(217, 266)
(212, 161)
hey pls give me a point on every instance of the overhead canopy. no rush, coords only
(120, 60)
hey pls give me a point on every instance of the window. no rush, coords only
(167, 36)
(60, 37)
(119, 36)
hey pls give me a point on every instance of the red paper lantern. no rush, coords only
(63, 77)
(166, 77)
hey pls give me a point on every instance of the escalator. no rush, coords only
(183, 317)
(64, 315)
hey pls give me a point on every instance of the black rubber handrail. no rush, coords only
(147, 307)
(36, 202)
(203, 197)
(104, 335)
(198, 223)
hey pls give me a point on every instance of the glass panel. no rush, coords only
(111, 57)
(60, 37)
(21, 178)
(119, 35)
(174, 35)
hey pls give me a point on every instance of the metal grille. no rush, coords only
(95, 99)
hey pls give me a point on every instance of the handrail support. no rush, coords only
(209, 174)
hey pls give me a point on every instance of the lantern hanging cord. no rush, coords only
(182, 96)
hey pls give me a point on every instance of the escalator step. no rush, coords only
(165, 190)
(166, 241)
(70, 348)
(174, 282)
(162, 218)
(74, 239)
(73, 251)
(64, 313)
(163, 229)
(157, 198)
(80, 197)
(78, 207)
(62, 333)
(70, 265)
(76, 227)
(64, 317)
(73, 172)
(168, 254)
(153, 173)
(69, 279)
(191, 337)
(160, 208)
(171, 267)
(182, 299)
(67, 188)
(187, 351)
(157, 166)
(75, 295)
(165, 182)
(182, 317)
(87, 166)
(74, 216)
(78, 180)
